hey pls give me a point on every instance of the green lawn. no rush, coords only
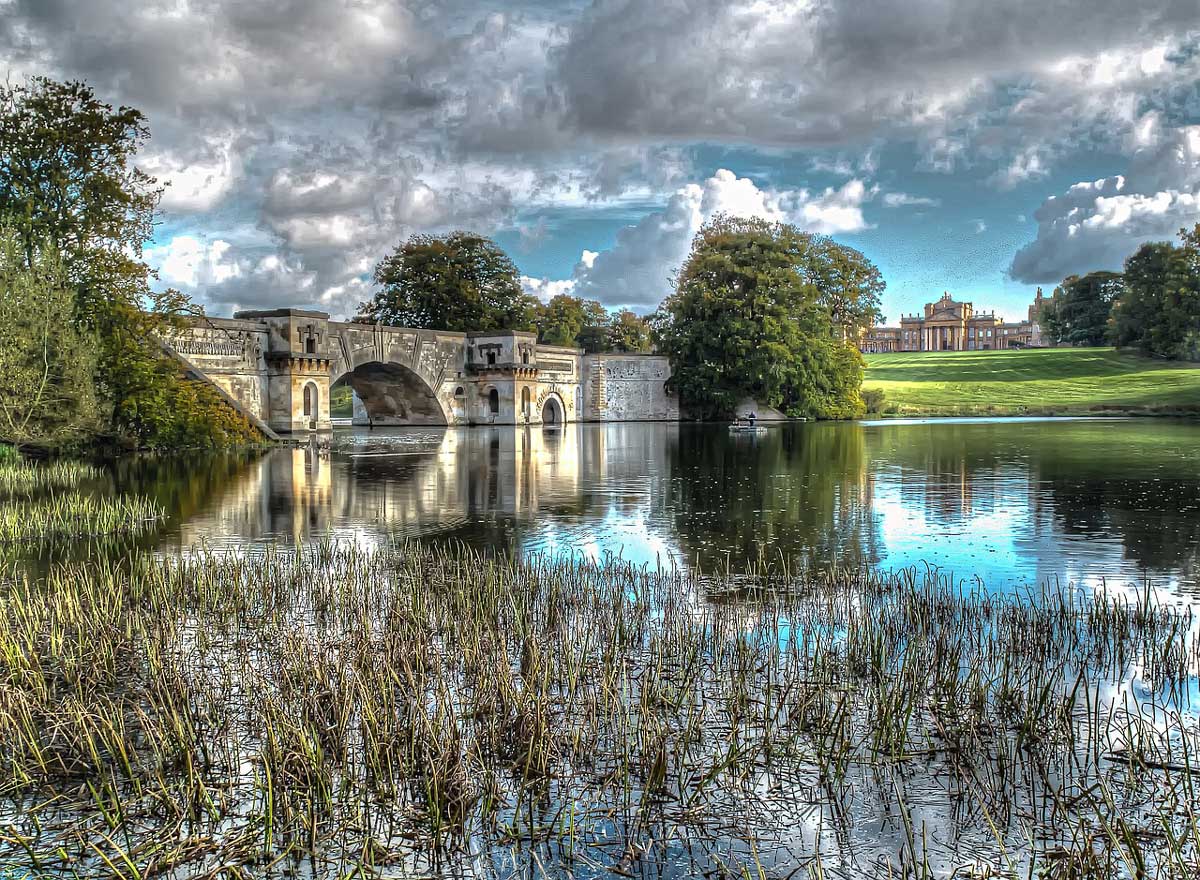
(1034, 381)
(341, 402)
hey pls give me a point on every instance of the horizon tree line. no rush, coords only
(1152, 305)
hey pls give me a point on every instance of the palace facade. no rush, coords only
(948, 325)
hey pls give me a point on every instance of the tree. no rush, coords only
(1159, 310)
(1078, 313)
(69, 187)
(629, 332)
(749, 318)
(47, 395)
(576, 322)
(460, 281)
(594, 337)
(561, 320)
(850, 286)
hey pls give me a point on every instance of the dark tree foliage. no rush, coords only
(47, 362)
(850, 286)
(460, 282)
(1078, 313)
(68, 182)
(594, 335)
(629, 332)
(561, 321)
(758, 312)
(586, 324)
(1159, 311)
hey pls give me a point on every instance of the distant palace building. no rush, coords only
(955, 326)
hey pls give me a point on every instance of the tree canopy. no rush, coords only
(71, 195)
(765, 311)
(561, 320)
(47, 362)
(586, 324)
(1078, 312)
(1159, 309)
(629, 332)
(460, 281)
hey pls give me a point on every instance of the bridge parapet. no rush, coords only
(281, 364)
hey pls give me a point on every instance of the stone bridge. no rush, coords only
(278, 367)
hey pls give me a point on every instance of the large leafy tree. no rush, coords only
(753, 315)
(850, 285)
(68, 184)
(460, 281)
(1159, 310)
(629, 332)
(595, 335)
(574, 321)
(1078, 313)
(561, 320)
(47, 362)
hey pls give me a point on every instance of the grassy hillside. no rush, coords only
(1034, 381)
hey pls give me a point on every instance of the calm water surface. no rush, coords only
(1011, 502)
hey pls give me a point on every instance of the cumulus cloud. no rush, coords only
(311, 135)
(1096, 224)
(816, 74)
(636, 272)
(225, 278)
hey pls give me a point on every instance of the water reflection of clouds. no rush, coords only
(623, 533)
(1015, 503)
(914, 535)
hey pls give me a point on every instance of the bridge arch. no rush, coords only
(551, 409)
(395, 394)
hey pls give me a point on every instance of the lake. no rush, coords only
(1010, 502)
(485, 702)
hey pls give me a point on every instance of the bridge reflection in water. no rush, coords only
(498, 487)
(1012, 502)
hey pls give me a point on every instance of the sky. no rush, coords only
(980, 147)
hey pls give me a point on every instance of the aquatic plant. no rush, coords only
(334, 710)
(75, 516)
(27, 478)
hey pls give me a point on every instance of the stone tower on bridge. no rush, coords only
(279, 367)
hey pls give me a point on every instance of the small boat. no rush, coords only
(745, 426)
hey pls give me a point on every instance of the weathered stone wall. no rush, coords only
(627, 388)
(231, 354)
(274, 362)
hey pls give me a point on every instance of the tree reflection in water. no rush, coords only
(1010, 501)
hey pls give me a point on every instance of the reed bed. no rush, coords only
(26, 478)
(415, 711)
(75, 516)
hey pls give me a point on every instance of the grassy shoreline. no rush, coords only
(1032, 382)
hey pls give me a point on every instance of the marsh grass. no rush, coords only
(74, 516)
(19, 477)
(335, 712)
(48, 502)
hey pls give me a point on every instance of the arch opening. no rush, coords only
(493, 399)
(552, 412)
(311, 400)
(525, 408)
(392, 394)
